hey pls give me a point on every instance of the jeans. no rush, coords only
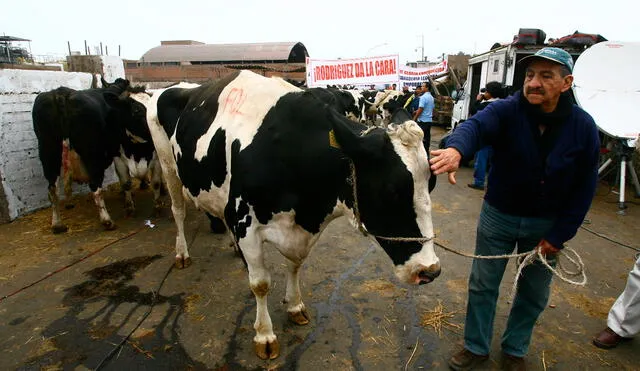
(482, 163)
(426, 128)
(500, 234)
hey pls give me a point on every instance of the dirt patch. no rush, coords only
(594, 307)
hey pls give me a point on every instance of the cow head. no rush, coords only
(391, 172)
(129, 113)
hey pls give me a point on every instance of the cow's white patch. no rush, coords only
(243, 104)
(407, 143)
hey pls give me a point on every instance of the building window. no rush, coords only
(496, 63)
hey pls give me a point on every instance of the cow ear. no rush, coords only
(114, 100)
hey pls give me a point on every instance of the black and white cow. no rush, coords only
(348, 102)
(278, 165)
(81, 132)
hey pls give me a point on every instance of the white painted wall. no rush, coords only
(22, 180)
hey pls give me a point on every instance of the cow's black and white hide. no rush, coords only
(350, 103)
(276, 162)
(80, 133)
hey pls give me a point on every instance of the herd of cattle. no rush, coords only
(273, 162)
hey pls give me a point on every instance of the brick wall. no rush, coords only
(24, 188)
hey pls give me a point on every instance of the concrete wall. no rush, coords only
(24, 188)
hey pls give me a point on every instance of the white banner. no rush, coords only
(360, 71)
(411, 76)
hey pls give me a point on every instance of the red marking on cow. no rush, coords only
(234, 101)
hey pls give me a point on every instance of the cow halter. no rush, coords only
(358, 220)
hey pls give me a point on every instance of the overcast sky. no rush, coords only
(329, 29)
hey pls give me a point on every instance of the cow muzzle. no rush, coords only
(425, 275)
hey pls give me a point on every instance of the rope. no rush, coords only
(50, 274)
(526, 258)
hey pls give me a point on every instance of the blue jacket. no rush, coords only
(522, 181)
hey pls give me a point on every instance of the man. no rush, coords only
(491, 93)
(623, 321)
(412, 103)
(424, 114)
(542, 181)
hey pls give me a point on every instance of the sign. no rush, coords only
(411, 76)
(360, 71)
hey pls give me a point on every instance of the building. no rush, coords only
(193, 61)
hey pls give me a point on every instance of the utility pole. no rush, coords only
(422, 47)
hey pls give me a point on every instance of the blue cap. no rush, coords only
(557, 55)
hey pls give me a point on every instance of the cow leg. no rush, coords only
(56, 221)
(125, 184)
(156, 183)
(297, 312)
(174, 186)
(105, 218)
(266, 343)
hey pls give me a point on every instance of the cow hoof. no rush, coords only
(69, 206)
(60, 228)
(182, 263)
(109, 225)
(299, 318)
(268, 350)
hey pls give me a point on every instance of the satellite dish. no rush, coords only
(607, 85)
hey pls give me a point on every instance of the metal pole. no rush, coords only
(69, 46)
(101, 48)
(422, 47)
(86, 50)
(118, 50)
(106, 49)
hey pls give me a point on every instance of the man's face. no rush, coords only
(544, 83)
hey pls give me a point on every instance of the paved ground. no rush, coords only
(362, 318)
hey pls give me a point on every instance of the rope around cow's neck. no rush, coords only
(525, 258)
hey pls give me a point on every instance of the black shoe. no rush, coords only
(465, 360)
(475, 186)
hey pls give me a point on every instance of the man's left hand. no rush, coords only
(547, 249)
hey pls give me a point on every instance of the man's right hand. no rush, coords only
(445, 161)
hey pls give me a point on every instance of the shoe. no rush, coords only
(465, 360)
(608, 339)
(513, 363)
(475, 186)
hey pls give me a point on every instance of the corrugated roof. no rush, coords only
(273, 51)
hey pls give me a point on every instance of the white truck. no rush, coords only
(501, 64)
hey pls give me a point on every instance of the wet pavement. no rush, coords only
(201, 318)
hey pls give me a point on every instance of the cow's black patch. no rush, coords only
(93, 120)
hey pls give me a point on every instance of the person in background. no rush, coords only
(412, 103)
(423, 116)
(623, 321)
(492, 92)
(542, 181)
